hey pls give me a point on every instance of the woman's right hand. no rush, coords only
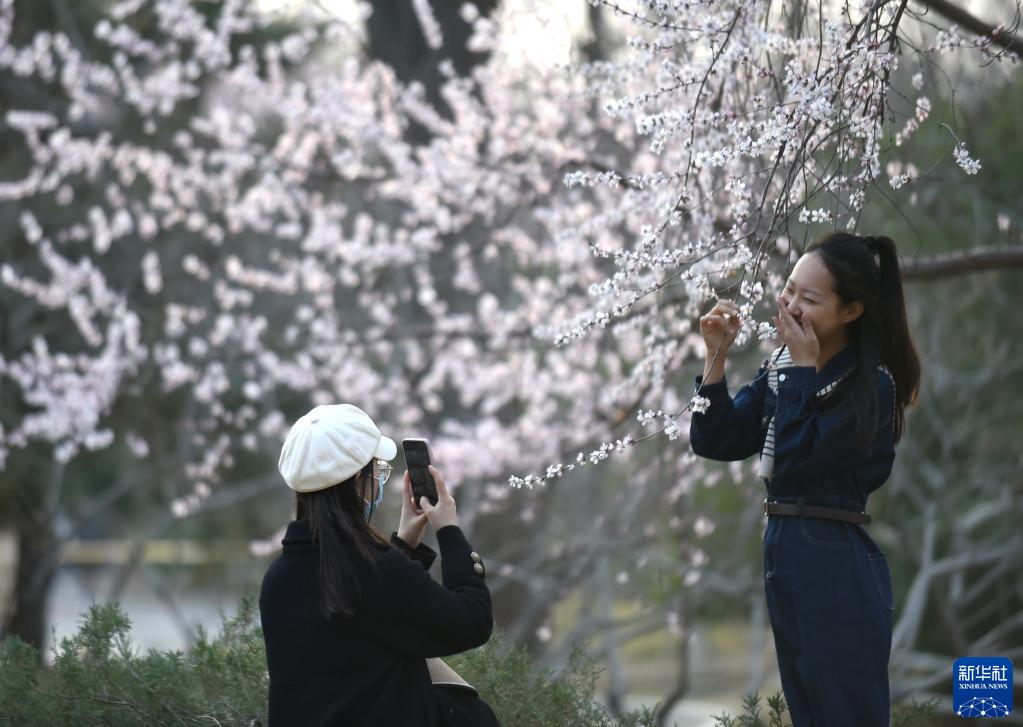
(443, 513)
(720, 326)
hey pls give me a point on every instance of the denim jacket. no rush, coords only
(815, 451)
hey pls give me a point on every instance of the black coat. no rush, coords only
(369, 669)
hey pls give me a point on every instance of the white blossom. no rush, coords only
(525, 283)
(962, 157)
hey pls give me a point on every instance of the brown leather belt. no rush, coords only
(831, 513)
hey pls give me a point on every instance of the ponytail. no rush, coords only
(866, 269)
(896, 344)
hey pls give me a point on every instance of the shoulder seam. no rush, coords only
(891, 378)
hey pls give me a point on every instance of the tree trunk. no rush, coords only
(598, 47)
(396, 38)
(38, 558)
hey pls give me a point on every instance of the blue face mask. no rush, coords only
(370, 508)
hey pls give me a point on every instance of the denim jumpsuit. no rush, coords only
(827, 583)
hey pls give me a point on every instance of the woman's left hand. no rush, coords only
(412, 525)
(804, 348)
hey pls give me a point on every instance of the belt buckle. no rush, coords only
(765, 507)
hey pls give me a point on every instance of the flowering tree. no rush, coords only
(219, 228)
(216, 218)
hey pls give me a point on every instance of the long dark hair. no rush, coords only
(881, 334)
(337, 519)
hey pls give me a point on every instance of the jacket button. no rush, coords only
(475, 556)
(478, 567)
(781, 377)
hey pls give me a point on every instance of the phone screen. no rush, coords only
(417, 457)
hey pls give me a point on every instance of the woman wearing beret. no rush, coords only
(824, 411)
(349, 617)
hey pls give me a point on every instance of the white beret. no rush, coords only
(330, 444)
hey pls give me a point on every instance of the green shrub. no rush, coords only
(904, 715)
(99, 678)
(524, 695)
(751, 717)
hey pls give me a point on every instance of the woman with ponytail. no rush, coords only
(352, 621)
(825, 411)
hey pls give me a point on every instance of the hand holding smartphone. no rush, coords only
(417, 460)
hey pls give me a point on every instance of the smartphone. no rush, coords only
(417, 459)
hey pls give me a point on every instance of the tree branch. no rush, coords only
(959, 262)
(975, 25)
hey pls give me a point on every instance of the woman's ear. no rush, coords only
(852, 311)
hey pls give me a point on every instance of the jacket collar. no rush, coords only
(298, 533)
(836, 367)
